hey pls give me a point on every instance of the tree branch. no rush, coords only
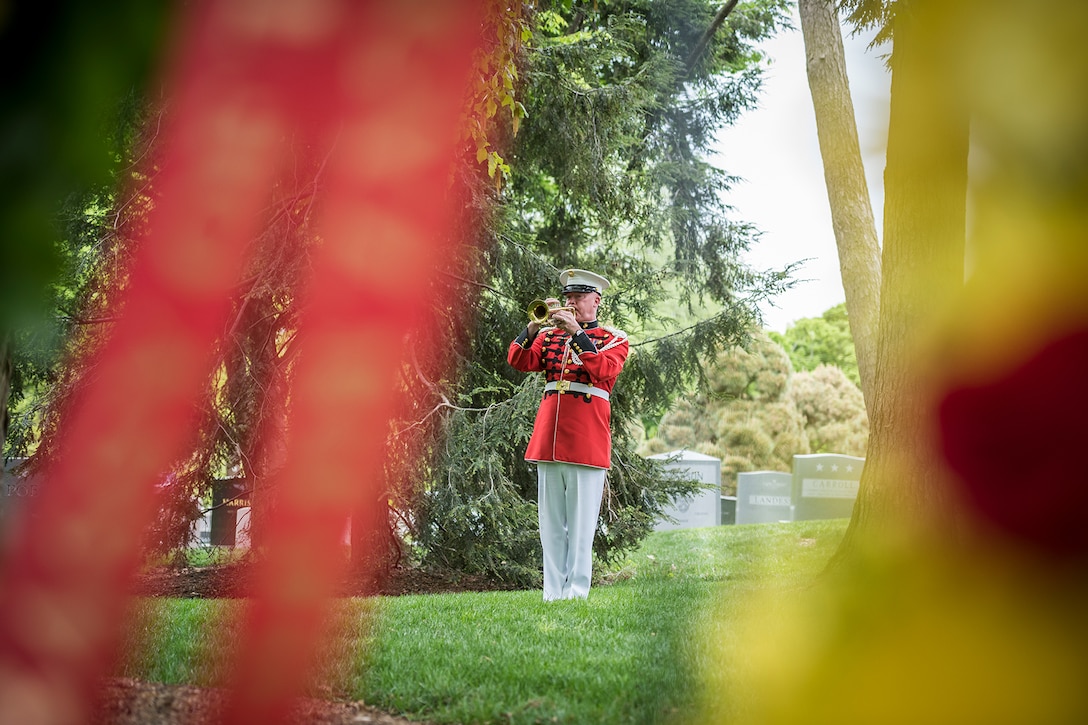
(697, 51)
(77, 320)
(438, 393)
(472, 282)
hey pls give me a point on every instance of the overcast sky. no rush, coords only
(775, 151)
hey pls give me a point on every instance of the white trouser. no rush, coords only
(568, 503)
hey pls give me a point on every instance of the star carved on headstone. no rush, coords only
(819, 466)
(849, 469)
(835, 467)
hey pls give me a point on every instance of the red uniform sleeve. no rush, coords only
(527, 359)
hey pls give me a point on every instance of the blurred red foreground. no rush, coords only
(378, 87)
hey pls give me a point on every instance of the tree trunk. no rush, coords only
(844, 175)
(925, 185)
(5, 384)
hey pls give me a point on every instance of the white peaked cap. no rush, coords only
(580, 280)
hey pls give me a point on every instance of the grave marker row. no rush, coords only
(821, 486)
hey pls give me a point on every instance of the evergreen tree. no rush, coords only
(608, 164)
(241, 417)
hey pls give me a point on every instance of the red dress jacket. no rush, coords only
(572, 425)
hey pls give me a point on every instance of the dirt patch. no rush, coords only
(133, 702)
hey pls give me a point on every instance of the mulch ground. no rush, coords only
(134, 702)
(234, 581)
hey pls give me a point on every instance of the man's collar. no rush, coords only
(589, 325)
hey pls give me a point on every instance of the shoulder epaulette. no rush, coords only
(615, 331)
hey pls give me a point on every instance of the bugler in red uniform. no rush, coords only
(572, 440)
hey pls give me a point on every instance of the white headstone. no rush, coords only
(825, 485)
(16, 488)
(704, 507)
(764, 497)
(202, 530)
(241, 528)
(729, 510)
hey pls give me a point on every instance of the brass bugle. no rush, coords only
(539, 311)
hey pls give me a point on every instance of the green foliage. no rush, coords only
(868, 14)
(754, 413)
(494, 85)
(833, 409)
(456, 522)
(92, 253)
(75, 60)
(614, 150)
(742, 414)
(824, 340)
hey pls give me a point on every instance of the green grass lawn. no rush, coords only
(637, 651)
